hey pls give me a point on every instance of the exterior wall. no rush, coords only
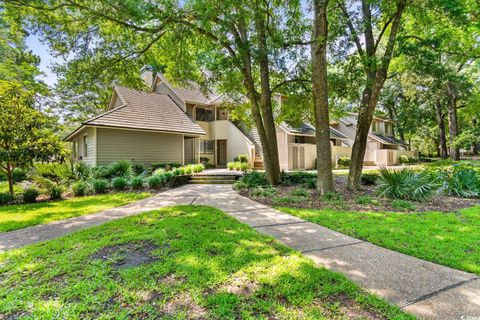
(163, 88)
(338, 152)
(138, 146)
(89, 133)
(237, 143)
(388, 157)
(309, 156)
(282, 141)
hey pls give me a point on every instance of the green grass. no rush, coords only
(25, 215)
(203, 263)
(450, 239)
(16, 187)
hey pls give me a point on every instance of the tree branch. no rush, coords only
(350, 26)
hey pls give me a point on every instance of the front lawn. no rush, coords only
(25, 215)
(178, 262)
(450, 239)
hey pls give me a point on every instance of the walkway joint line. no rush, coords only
(281, 224)
(434, 293)
(333, 247)
(246, 210)
(195, 198)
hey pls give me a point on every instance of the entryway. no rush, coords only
(221, 152)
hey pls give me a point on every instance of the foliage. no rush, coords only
(19, 216)
(19, 175)
(366, 200)
(369, 178)
(264, 192)
(405, 184)
(297, 178)
(243, 158)
(30, 195)
(204, 161)
(50, 175)
(80, 188)
(311, 183)
(26, 134)
(100, 186)
(122, 168)
(419, 234)
(119, 183)
(55, 192)
(300, 192)
(403, 159)
(137, 183)
(344, 162)
(238, 166)
(5, 198)
(138, 169)
(252, 179)
(462, 182)
(155, 182)
(289, 199)
(403, 205)
(165, 166)
(333, 198)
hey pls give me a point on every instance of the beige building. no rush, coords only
(185, 124)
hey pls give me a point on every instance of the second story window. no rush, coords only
(375, 126)
(204, 114)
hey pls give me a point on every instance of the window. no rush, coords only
(207, 146)
(75, 150)
(85, 147)
(204, 114)
(375, 126)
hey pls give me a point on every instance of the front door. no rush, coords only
(221, 152)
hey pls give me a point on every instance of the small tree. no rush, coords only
(25, 133)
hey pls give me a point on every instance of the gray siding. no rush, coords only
(164, 89)
(138, 146)
(89, 134)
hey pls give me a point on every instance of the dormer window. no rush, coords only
(375, 126)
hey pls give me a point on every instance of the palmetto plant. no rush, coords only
(405, 184)
(462, 182)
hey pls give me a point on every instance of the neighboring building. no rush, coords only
(185, 124)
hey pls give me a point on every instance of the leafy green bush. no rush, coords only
(177, 171)
(243, 158)
(80, 188)
(231, 166)
(3, 176)
(138, 169)
(240, 185)
(158, 165)
(5, 198)
(366, 200)
(333, 197)
(196, 168)
(461, 182)
(55, 192)
(100, 186)
(311, 183)
(264, 191)
(405, 184)
(122, 168)
(299, 192)
(155, 181)
(30, 195)
(137, 183)
(403, 205)
(403, 159)
(19, 175)
(369, 179)
(82, 171)
(344, 161)
(119, 183)
(297, 178)
(253, 179)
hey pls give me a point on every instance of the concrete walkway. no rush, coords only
(423, 288)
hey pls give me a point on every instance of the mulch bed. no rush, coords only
(439, 203)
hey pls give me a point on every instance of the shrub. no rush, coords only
(403, 205)
(403, 159)
(119, 183)
(167, 176)
(369, 179)
(332, 197)
(159, 171)
(461, 182)
(100, 186)
(138, 169)
(55, 192)
(173, 165)
(196, 168)
(254, 179)
(80, 188)
(311, 183)
(122, 168)
(155, 181)
(30, 195)
(19, 175)
(366, 200)
(3, 176)
(244, 166)
(264, 191)
(299, 192)
(240, 185)
(5, 198)
(405, 184)
(158, 165)
(297, 178)
(177, 171)
(137, 183)
(243, 158)
(231, 165)
(344, 162)
(82, 171)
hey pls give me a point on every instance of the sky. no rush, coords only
(46, 58)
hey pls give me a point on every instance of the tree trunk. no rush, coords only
(453, 122)
(10, 179)
(442, 138)
(475, 145)
(320, 97)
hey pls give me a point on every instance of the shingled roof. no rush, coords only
(146, 111)
(308, 130)
(387, 139)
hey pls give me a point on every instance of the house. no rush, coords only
(382, 146)
(185, 124)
